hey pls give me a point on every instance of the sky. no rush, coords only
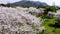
(49, 2)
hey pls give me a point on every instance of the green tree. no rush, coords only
(49, 8)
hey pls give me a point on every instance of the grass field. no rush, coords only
(49, 29)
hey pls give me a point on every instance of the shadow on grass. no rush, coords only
(54, 25)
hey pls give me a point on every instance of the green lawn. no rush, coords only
(49, 29)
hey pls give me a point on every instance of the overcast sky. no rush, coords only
(50, 2)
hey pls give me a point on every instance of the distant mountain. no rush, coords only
(28, 3)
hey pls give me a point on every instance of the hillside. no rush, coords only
(28, 3)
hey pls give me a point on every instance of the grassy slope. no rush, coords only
(48, 29)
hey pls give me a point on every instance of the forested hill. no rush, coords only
(28, 3)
